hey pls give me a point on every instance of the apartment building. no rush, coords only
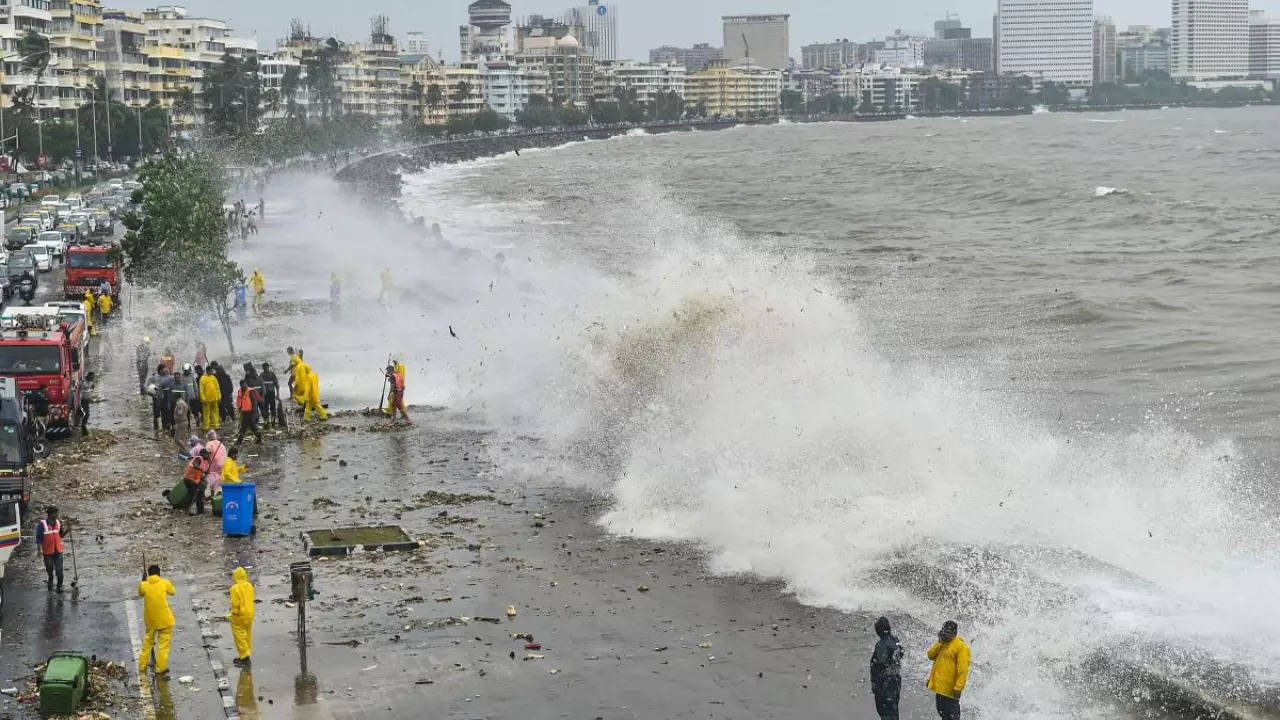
(729, 91)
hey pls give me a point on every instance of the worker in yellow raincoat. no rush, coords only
(242, 615)
(210, 399)
(305, 378)
(89, 306)
(259, 285)
(397, 369)
(104, 305)
(157, 618)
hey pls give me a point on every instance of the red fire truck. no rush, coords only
(43, 356)
(88, 265)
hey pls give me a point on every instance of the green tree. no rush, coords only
(289, 85)
(606, 114)
(435, 95)
(1054, 93)
(573, 116)
(177, 244)
(488, 120)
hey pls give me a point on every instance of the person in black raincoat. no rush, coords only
(270, 395)
(227, 405)
(886, 672)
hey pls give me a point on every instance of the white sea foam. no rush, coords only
(1104, 191)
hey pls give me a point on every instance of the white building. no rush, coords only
(760, 40)
(486, 35)
(648, 79)
(1209, 39)
(1264, 46)
(507, 87)
(888, 89)
(272, 68)
(901, 51)
(1049, 39)
(599, 21)
(415, 44)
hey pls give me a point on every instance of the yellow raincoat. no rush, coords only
(259, 285)
(210, 397)
(307, 383)
(299, 391)
(950, 670)
(242, 612)
(158, 620)
(89, 306)
(104, 304)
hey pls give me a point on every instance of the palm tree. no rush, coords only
(289, 89)
(435, 95)
(462, 92)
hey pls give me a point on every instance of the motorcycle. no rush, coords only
(27, 289)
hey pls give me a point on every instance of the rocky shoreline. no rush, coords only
(381, 172)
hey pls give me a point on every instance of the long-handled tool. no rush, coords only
(75, 571)
(382, 398)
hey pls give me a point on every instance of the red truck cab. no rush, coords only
(43, 355)
(88, 265)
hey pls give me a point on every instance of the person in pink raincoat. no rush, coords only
(217, 458)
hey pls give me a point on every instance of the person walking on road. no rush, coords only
(242, 616)
(182, 426)
(259, 284)
(247, 402)
(210, 399)
(142, 363)
(886, 672)
(49, 534)
(950, 673)
(157, 620)
(309, 382)
(104, 305)
(395, 374)
(82, 412)
(270, 395)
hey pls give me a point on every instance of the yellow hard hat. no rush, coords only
(146, 339)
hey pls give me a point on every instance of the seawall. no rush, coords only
(381, 172)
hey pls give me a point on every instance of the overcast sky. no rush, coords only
(642, 24)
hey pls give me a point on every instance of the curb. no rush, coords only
(207, 637)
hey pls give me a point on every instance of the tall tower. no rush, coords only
(486, 36)
(599, 21)
(1209, 39)
(1051, 40)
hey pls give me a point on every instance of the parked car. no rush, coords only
(56, 241)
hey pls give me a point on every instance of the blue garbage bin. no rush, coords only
(237, 508)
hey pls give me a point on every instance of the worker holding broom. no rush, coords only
(395, 401)
(157, 618)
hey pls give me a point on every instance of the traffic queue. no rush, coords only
(44, 378)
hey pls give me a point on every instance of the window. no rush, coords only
(27, 359)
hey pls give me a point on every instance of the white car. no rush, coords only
(53, 240)
(44, 258)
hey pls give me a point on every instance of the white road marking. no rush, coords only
(135, 639)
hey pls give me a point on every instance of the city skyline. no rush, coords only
(646, 24)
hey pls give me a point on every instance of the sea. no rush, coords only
(1021, 372)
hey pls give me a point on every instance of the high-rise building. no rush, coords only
(507, 87)
(599, 21)
(759, 40)
(1264, 46)
(1050, 39)
(486, 35)
(832, 55)
(1104, 51)
(958, 54)
(123, 64)
(947, 29)
(1209, 39)
(692, 59)
(555, 49)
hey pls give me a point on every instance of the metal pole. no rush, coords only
(139, 109)
(93, 103)
(79, 152)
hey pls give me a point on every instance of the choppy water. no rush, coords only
(933, 367)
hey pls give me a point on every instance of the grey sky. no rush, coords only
(643, 24)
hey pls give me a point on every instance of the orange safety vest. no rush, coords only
(244, 400)
(196, 470)
(51, 541)
(397, 382)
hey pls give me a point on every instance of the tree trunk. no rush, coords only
(224, 317)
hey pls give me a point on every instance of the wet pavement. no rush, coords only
(624, 628)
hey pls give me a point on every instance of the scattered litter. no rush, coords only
(704, 645)
(527, 637)
(511, 611)
(424, 682)
(10, 691)
(643, 588)
(371, 667)
(554, 671)
(186, 679)
(533, 646)
(533, 656)
(348, 643)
